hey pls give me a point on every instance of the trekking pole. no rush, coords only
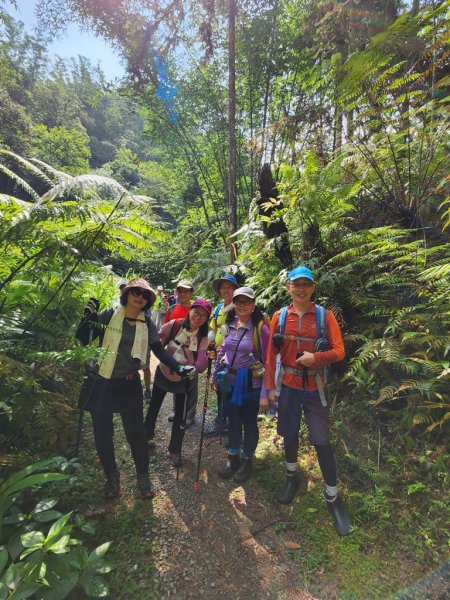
(81, 408)
(202, 432)
(183, 422)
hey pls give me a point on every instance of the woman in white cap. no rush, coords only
(127, 336)
(239, 373)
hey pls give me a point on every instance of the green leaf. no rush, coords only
(25, 590)
(47, 515)
(98, 553)
(30, 481)
(44, 505)
(58, 525)
(3, 558)
(94, 587)
(32, 538)
(14, 519)
(3, 591)
(61, 545)
(12, 576)
(39, 466)
(60, 591)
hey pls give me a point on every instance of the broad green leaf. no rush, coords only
(32, 539)
(47, 515)
(30, 481)
(60, 546)
(39, 466)
(58, 525)
(60, 591)
(3, 558)
(98, 552)
(44, 505)
(14, 519)
(25, 590)
(94, 587)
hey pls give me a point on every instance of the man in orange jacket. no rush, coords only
(305, 352)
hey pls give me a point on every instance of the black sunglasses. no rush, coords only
(136, 291)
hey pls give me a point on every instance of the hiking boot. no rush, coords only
(338, 511)
(171, 417)
(216, 430)
(111, 489)
(290, 487)
(244, 471)
(233, 464)
(144, 487)
(174, 458)
(189, 423)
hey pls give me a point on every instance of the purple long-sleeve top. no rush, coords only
(246, 353)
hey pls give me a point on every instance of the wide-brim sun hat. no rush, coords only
(140, 283)
(185, 284)
(299, 272)
(244, 291)
(202, 303)
(160, 288)
(226, 278)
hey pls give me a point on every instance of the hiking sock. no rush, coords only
(291, 468)
(330, 492)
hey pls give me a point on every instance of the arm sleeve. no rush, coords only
(202, 359)
(165, 357)
(153, 335)
(271, 356)
(334, 336)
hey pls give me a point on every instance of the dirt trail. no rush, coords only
(219, 541)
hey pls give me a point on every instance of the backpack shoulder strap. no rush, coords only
(320, 320)
(217, 310)
(257, 338)
(177, 323)
(282, 320)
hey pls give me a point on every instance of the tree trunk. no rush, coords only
(232, 123)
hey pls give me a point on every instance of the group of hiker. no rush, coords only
(258, 365)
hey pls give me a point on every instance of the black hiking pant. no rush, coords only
(123, 397)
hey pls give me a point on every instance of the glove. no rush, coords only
(186, 371)
(148, 395)
(91, 307)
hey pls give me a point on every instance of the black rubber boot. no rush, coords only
(111, 489)
(244, 471)
(233, 464)
(338, 511)
(290, 487)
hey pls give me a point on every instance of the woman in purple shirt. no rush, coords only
(239, 373)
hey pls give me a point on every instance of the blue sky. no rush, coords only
(73, 42)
